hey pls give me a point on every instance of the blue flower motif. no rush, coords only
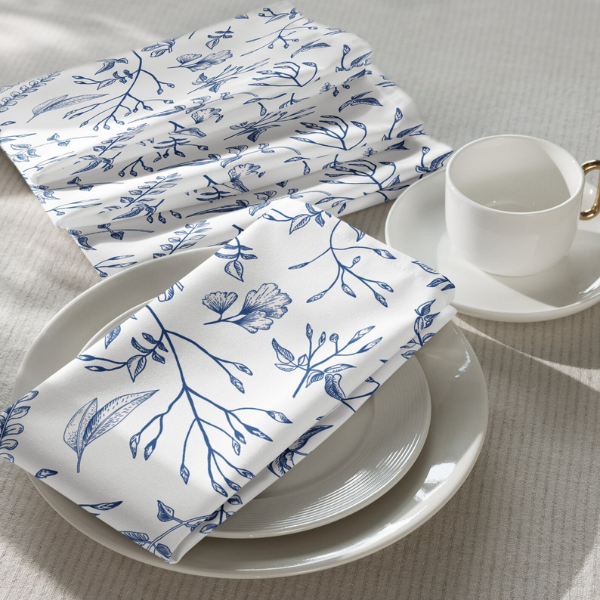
(255, 321)
(268, 299)
(219, 302)
(258, 311)
(24, 152)
(197, 62)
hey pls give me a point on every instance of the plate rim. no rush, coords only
(490, 315)
(422, 438)
(362, 544)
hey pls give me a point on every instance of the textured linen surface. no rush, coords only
(222, 379)
(196, 132)
(525, 523)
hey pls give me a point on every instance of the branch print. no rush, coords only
(237, 253)
(221, 470)
(203, 524)
(364, 173)
(327, 369)
(335, 136)
(9, 428)
(287, 459)
(346, 272)
(423, 321)
(121, 106)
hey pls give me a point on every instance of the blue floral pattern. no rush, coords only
(348, 271)
(259, 309)
(10, 425)
(88, 423)
(327, 369)
(185, 142)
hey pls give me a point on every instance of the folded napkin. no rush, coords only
(203, 398)
(194, 133)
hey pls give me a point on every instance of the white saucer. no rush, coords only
(416, 226)
(341, 475)
(458, 425)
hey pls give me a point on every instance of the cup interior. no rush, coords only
(515, 174)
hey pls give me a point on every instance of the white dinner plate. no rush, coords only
(341, 475)
(416, 226)
(458, 424)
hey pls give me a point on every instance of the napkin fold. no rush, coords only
(196, 133)
(183, 413)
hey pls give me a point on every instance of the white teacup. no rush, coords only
(513, 202)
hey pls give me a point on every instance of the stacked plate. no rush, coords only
(384, 473)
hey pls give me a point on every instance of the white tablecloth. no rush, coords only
(525, 523)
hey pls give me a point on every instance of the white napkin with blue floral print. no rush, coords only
(152, 152)
(202, 399)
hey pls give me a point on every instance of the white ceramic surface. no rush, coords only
(340, 476)
(513, 203)
(458, 425)
(416, 225)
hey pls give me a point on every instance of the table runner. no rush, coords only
(181, 143)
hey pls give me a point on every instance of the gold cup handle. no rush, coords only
(588, 166)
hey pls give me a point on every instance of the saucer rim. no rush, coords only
(506, 316)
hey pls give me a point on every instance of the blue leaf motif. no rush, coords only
(137, 536)
(103, 506)
(385, 253)
(43, 473)
(361, 333)
(299, 222)
(314, 376)
(257, 432)
(184, 472)
(219, 489)
(282, 353)
(333, 388)
(164, 551)
(316, 297)
(425, 308)
(286, 367)
(165, 513)
(135, 365)
(89, 423)
(338, 368)
(437, 282)
(235, 269)
(259, 309)
(237, 383)
(62, 102)
(370, 345)
(8, 427)
(278, 416)
(111, 336)
(348, 290)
